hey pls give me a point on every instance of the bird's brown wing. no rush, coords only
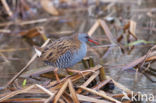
(57, 48)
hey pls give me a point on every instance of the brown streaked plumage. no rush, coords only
(59, 47)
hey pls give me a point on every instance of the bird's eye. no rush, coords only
(87, 37)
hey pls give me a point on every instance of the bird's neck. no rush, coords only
(76, 40)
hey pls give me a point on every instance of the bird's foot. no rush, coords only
(80, 72)
(58, 80)
(56, 75)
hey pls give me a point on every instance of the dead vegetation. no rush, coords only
(119, 34)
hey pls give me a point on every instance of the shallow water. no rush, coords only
(18, 59)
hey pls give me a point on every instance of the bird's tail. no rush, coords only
(38, 50)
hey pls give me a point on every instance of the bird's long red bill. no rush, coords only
(93, 41)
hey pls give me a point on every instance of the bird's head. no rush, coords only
(83, 37)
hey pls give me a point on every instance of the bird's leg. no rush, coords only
(79, 71)
(56, 75)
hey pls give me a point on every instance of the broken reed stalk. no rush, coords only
(102, 75)
(46, 91)
(66, 96)
(88, 62)
(27, 65)
(5, 31)
(147, 55)
(100, 94)
(26, 90)
(25, 100)
(68, 84)
(42, 33)
(91, 78)
(84, 62)
(101, 84)
(49, 8)
(93, 28)
(60, 92)
(4, 57)
(72, 91)
(6, 6)
(91, 62)
(49, 99)
(12, 50)
(91, 99)
(106, 30)
(15, 93)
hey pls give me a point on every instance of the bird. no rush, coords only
(65, 52)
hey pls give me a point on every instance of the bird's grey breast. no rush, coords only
(79, 54)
